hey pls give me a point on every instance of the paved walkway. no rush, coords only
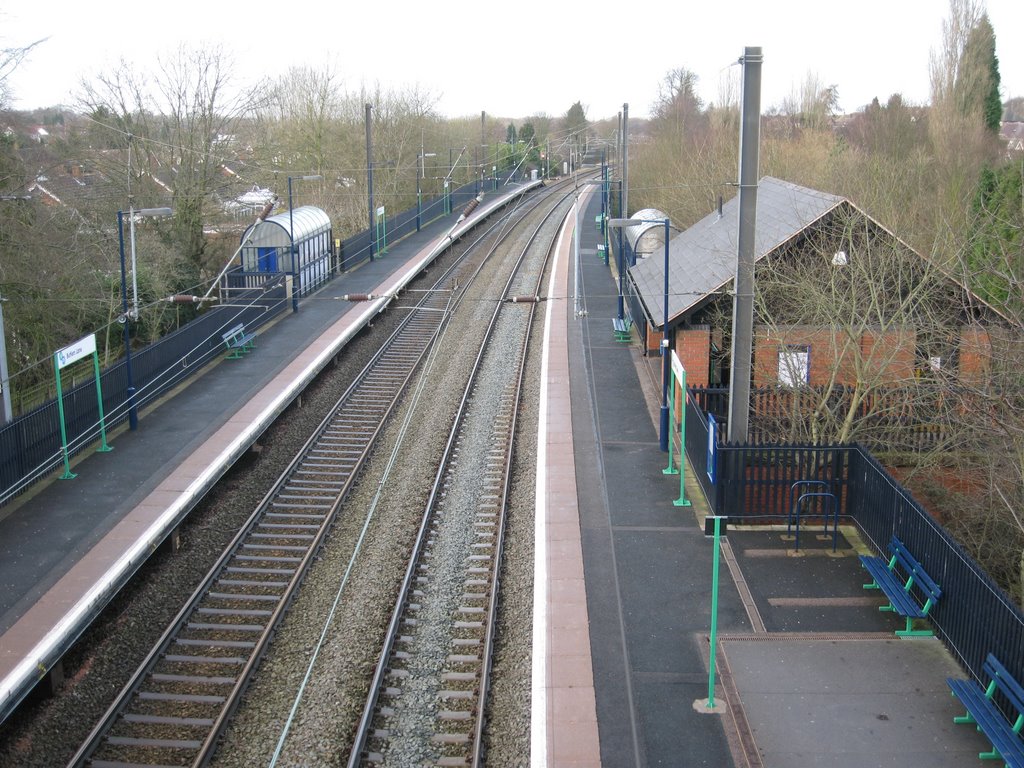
(810, 672)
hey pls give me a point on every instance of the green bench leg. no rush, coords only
(911, 632)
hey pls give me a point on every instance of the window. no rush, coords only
(794, 366)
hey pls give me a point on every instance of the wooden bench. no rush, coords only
(983, 712)
(899, 589)
(621, 327)
(238, 341)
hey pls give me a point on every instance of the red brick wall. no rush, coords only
(896, 352)
(693, 346)
(975, 352)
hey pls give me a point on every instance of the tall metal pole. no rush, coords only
(622, 261)
(743, 302)
(291, 250)
(664, 353)
(133, 415)
(624, 213)
(5, 381)
(369, 179)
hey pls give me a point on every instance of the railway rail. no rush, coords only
(427, 706)
(182, 696)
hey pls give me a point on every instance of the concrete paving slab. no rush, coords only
(854, 702)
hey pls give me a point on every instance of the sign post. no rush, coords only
(678, 374)
(382, 231)
(62, 358)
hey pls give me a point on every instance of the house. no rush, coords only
(835, 244)
(1013, 135)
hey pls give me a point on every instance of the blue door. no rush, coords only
(267, 259)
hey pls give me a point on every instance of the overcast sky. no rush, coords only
(513, 59)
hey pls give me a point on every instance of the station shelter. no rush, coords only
(296, 243)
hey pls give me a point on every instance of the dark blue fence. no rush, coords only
(357, 249)
(30, 445)
(973, 618)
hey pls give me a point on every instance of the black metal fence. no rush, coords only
(31, 445)
(357, 249)
(898, 418)
(974, 617)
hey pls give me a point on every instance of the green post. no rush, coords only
(671, 468)
(68, 474)
(714, 614)
(99, 401)
(682, 501)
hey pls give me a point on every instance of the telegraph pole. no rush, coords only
(743, 301)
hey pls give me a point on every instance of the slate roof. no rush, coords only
(702, 259)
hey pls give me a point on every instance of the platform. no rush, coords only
(67, 546)
(809, 672)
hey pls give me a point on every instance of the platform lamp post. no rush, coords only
(421, 171)
(133, 313)
(663, 435)
(291, 236)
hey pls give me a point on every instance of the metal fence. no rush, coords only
(31, 445)
(751, 483)
(358, 249)
(898, 418)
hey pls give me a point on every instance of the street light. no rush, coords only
(291, 236)
(665, 338)
(133, 414)
(421, 171)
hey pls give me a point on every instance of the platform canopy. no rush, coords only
(308, 221)
(648, 239)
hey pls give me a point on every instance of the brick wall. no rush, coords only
(894, 351)
(693, 345)
(975, 352)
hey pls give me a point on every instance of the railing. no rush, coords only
(889, 418)
(753, 483)
(30, 445)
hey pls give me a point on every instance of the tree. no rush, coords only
(576, 124)
(885, 325)
(678, 102)
(976, 86)
(10, 58)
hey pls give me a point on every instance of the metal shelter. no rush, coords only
(270, 249)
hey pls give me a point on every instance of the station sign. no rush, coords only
(75, 352)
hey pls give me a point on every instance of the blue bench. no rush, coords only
(899, 585)
(621, 328)
(238, 341)
(983, 712)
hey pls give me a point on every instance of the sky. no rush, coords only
(512, 60)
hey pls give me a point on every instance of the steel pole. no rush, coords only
(133, 415)
(369, 179)
(743, 302)
(665, 355)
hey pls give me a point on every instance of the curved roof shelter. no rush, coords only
(308, 221)
(648, 239)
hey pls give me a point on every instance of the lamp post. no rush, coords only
(421, 171)
(127, 316)
(665, 338)
(291, 237)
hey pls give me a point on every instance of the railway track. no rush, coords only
(182, 696)
(428, 697)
